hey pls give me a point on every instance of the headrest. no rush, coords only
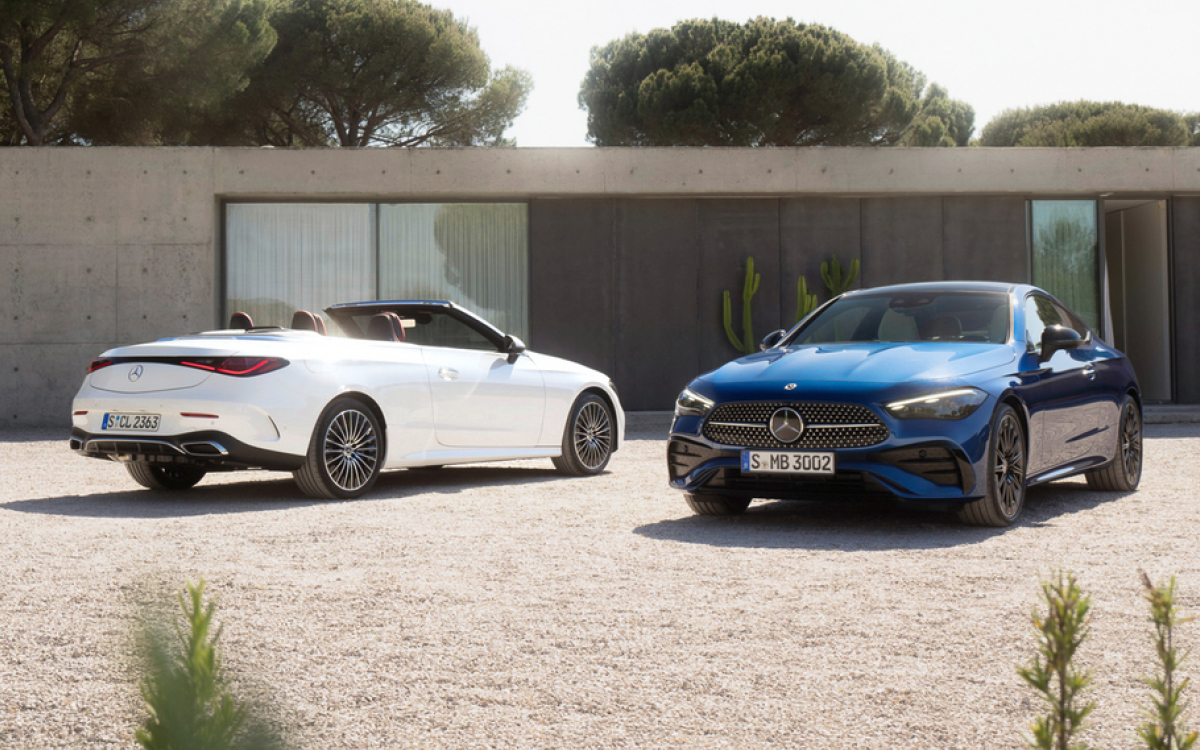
(321, 325)
(945, 327)
(241, 320)
(385, 326)
(303, 320)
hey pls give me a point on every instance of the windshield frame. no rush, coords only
(1010, 298)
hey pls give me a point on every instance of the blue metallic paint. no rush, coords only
(1069, 418)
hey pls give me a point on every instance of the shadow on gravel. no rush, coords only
(864, 524)
(276, 494)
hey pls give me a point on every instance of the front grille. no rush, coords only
(827, 425)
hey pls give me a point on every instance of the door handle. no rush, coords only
(1089, 372)
(448, 373)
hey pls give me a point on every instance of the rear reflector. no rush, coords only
(196, 415)
(78, 413)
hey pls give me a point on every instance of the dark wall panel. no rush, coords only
(1185, 230)
(730, 232)
(901, 240)
(984, 239)
(572, 285)
(811, 230)
(657, 270)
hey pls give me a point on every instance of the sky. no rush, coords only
(994, 55)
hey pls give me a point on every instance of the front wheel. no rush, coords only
(1124, 473)
(1007, 457)
(588, 437)
(165, 477)
(345, 454)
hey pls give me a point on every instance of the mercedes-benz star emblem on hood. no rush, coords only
(786, 425)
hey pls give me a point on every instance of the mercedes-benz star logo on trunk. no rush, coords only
(786, 425)
(135, 373)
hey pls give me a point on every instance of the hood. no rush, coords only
(878, 363)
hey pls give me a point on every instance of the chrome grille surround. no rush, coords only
(827, 425)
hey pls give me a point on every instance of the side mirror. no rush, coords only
(1057, 337)
(513, 347)
(771, 339)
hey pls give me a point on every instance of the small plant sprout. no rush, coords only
(186, 694)
(1060, 631)
(1163, 729)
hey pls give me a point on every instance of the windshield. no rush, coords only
(908, 316)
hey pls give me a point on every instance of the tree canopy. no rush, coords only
(762, 83)
(378, 72)
(941, 121)
(120, 71)
(1085, 123)
(249, 72)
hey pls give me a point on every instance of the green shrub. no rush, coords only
(1163, 729)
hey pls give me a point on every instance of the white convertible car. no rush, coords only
(414, 384)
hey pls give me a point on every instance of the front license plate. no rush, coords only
(130, 422)
(782, 462)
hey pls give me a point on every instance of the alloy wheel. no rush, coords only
(350, 450)
(1010, 466)
(592, 435)
(1131, 443)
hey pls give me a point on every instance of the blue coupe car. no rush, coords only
(956, 393)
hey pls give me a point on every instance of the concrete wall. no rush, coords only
(629, 247)
(1185, 231)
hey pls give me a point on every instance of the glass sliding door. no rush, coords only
(1065, 246)
(284, 257)
(474, 254)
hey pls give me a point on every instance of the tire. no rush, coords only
(170, 477)
(716, 505)
(587, 442)
(345, 454)
(1124, 472)
(1008, 456)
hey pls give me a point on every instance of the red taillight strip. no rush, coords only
(257, 366)
(196, 415)
(197, 365)
(97, 364)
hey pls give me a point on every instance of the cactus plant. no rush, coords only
(746, 343)
(805, 302)
(831, 272)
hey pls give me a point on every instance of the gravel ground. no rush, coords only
(504, 606)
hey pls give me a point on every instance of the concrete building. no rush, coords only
(613, 257)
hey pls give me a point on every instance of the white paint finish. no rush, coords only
(480, 400)
(496, 410)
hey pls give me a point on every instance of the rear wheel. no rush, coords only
(1125, 472)
(1005, 491)
(345, 454)
(716, 505)
(164, 477)
(588, 437)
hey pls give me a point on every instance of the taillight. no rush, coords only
(98, 364)
(237, 366)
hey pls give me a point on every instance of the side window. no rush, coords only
(1068, 319)
(1039, 313)
(439, 329)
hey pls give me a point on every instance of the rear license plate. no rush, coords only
(782, 462)
(130, 422)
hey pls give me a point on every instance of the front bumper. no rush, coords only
(938, 461)
(209, 449)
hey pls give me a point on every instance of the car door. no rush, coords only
(480, 399)
(1056, 391)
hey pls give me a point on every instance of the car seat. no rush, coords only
(385, 326)
(241, 320)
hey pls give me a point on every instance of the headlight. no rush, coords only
(955, 404)
(692, 404)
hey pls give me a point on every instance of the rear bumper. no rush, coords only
(209, 449)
